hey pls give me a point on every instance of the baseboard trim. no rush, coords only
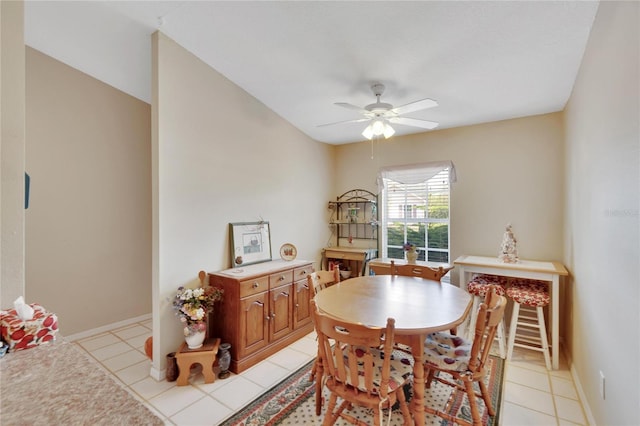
(583, 397)
(105, 328)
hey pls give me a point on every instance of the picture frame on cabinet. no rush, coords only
(249, 242)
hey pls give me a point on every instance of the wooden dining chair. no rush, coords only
(361, 368)
(421, 271)
(318, 281)
(465, 361)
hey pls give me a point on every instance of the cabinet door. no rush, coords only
(301, 312)
(281, 307)
(254, 315)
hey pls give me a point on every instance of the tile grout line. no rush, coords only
(523, 363)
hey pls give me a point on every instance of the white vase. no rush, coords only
(195, 340)
(412, 256)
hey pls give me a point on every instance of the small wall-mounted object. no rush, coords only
(27, 184)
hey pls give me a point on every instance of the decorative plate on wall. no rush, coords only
(288, 251)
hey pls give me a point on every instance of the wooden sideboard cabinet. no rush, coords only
(265, 308)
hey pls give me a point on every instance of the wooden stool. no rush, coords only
(529, 297)
(205, 356)
(478, 287)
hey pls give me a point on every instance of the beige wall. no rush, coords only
(12, 152)
(211, 139)
(602, 242)
(221, 156)
(88, 237)
(508, 172)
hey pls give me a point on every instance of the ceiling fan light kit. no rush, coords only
(377, 128)
(381, 114)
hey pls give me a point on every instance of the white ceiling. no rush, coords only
(482, 61)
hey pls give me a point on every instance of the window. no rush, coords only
(415, 210)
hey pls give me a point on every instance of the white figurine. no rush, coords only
(508, 250)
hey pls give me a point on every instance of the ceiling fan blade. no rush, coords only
(425, 124)
(414, 106)
(357, 120)
(353, 107)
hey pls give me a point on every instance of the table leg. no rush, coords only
(319, 376)
(555, 321)
(417, 403)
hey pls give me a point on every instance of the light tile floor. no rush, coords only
(532, 396)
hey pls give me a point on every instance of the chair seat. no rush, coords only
(401, 370)
(447, 351)
(480, 283)
(529, 293)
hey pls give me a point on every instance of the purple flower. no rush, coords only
(408, 246)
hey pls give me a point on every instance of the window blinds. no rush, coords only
(415, 173)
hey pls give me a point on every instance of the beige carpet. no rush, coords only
(57, 384)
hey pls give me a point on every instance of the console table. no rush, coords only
(528, 269)
(359, 256)
(265, 308)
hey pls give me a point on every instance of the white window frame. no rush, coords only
(406, 175)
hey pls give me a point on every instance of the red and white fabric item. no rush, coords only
(532, 293)
(480, 283)
(23, 334)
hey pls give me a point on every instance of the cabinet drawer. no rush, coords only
(254, 286)
(281, 278)
(301, 273)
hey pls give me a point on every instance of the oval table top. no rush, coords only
(419, 306)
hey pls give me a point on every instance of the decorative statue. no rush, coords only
(508, 250)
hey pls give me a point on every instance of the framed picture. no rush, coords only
(250, 242)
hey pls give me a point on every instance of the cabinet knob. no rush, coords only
(267, 318)
(255, 284)
(282, 278)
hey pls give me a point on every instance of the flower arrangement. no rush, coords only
(193, 306)
(409, 247)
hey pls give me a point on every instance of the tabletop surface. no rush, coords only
(418, 305)
(527, 265)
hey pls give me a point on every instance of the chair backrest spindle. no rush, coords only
(360, 367)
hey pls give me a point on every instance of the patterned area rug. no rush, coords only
(292, 402)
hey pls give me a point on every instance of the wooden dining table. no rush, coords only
(419, 307)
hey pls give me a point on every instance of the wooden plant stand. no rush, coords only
(205, 356)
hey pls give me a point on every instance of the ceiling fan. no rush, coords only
(381, 114)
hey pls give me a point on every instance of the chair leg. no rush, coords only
(330, 417)
(473, 404)
(312, 374)
(543, 337)
(318, 395)
(404, 408)
(429, 373)
(486, 397)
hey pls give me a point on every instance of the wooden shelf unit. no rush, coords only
(354, 220)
